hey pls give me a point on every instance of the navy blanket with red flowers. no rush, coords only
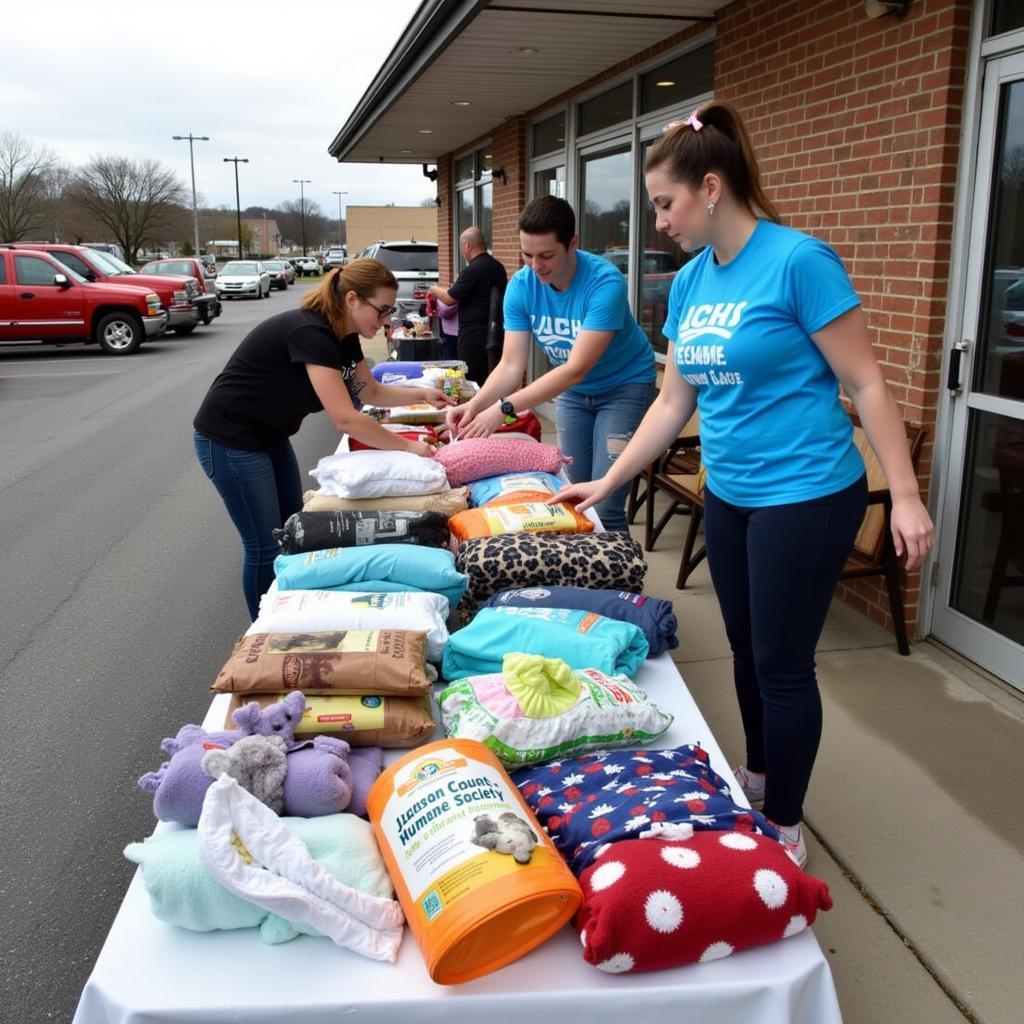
(598, 798)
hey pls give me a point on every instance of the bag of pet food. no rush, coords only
(361, 661)
(523, 512)
(365, 720)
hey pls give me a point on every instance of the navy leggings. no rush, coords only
(774, 570)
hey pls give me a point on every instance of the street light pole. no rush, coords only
(302, 207)
(192, 165)
(341, 241)
(236, 160)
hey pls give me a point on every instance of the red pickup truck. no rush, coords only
(179, 294)
(43, 300)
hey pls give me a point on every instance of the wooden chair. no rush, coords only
(682, 456)
(873, 552)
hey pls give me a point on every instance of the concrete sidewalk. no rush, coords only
(909, 813)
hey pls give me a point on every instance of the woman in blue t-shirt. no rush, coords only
(574, 306)
(763, 326)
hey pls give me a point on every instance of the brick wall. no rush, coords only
(856, 125)
(508, 149)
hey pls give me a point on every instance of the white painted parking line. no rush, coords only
(61, 373)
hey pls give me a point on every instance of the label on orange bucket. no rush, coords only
(454, 826)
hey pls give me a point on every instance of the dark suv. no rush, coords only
(414, 265)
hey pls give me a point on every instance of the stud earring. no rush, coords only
(711, 209)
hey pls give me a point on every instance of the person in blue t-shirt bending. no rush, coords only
(763, 326)
(574, 306)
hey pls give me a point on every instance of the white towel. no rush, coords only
(249, 850)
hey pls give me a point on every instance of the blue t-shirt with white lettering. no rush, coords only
(595, 300)
(772, 428)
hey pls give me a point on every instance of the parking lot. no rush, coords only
(121, 601)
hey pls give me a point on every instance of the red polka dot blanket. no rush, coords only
(613, 795)
(650, 904)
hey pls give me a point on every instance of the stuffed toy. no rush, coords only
(257, 763)
(509, 834)
(317, 780)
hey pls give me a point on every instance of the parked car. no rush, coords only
(109, 247)
(278, 274)
(335, 257)
(179, 294)
(307, 266)
(414, 265)
(289, 267)
(192, 266)
(41, 299)
(243, 277)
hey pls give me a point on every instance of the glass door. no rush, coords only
(981, 612)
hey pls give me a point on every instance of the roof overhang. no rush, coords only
(505, 57)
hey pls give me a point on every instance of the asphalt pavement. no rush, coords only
(120, 600)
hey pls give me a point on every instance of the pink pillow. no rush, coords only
(650, 904)
(477, 457)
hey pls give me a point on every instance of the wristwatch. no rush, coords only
(507, 410)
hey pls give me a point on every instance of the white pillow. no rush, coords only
(318, 611)
(375, 474)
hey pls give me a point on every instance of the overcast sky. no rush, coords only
(271, 81)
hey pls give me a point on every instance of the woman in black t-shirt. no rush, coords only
(292, 364)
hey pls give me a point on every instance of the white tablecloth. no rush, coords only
(150, 972)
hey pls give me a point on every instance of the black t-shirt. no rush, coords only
(472, 290)
(261, 396)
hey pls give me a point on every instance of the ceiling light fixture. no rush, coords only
(425, 131)
(665, 84)
(404, 152)
(523, 51)
(462, 103)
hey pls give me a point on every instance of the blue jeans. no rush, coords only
(594, 430)
(774, 569)
(260, 491)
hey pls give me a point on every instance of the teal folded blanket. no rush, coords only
(182, 893)
(583, 639)
(373, 568)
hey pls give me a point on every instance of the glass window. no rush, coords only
(550, 182)
(1006, 16)
(484, 200)
(464, 168)
(69, 259)
(611, 107)
(549, 135)
(408, 258)
(32, 270)
(661, 259)
(483, 162)
(689, 75)
(463, 220)
(998, 369)
(3, 271)
(605, 187)
(990, 547)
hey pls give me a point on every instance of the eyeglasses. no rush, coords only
(382, 311)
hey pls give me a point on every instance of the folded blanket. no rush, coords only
(372, 474)
(403, 566)
(252, 853)
(595, 799)
(653, 615)
(182, 893)
(603, 560)
(583, 639)
(479, 457)
(314, 531)
(446, 503)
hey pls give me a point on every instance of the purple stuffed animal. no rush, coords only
(318, 780)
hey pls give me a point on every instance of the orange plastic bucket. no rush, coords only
(479, 880)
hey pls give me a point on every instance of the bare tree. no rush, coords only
(134, 199)
(297, 222)
(24, 170)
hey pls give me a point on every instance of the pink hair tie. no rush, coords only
(693, 121)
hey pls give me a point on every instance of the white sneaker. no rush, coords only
(792, 839)
(752, 784)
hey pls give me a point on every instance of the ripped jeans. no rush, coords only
(593, 430)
